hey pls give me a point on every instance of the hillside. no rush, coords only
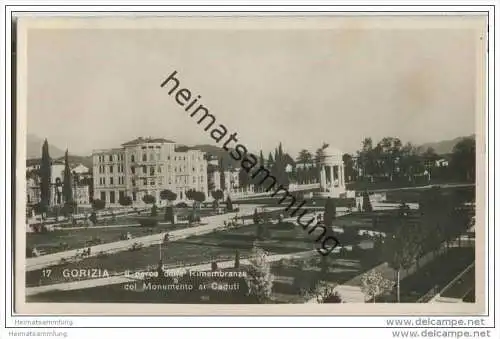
(444, 146)
(34, 148)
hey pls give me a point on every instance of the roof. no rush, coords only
(147, 140)
(332, 152)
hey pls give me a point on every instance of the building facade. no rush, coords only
(147, 166)
(80, 193)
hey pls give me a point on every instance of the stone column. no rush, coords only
(322, 177)
(332, 177)
(341, 175)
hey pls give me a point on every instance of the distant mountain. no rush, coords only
(34, 148)
(444, 146)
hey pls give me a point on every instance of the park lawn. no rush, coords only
(50, 242)
(218, 246)
(313, 202)
(174, 254)
(282, 239)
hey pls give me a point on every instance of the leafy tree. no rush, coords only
(243, 179)
(199, 197)
(98, 204)
(463, 159)
(217, 195)
(374, 284)
(305, 157)
(259, 278)
(350, 172)
(402, 249)
(45, 177)
(190, 194)
(168, 195)
(367, 205)
(326, 294)
(125, 200)
(148, 199)
(169, 210)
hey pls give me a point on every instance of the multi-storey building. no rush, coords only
(146, 166)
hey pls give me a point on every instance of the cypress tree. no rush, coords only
(67, 189)
(261, 159)
(270, 162)
(45, 176)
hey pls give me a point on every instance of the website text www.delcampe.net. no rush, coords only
(218, 132)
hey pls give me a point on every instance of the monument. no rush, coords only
(332, 177)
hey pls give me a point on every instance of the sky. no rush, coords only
(97, 88)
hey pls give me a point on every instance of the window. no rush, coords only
(144, 157)
(194, 180)
(133, 182)
(134, 196)
(168, 157)
(144, 170)
(151, 157)
(104, 181)
(103, 196)
(121, 195)
(110, 168)
(175, 158)
(112, 197)
(132, 158)
(111, 180)
(159, 169)
(152, 183)
(194, 169)
(145, 182)
(160, 181)
(152, 170)
(110, 157)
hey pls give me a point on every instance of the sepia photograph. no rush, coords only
(294, 164)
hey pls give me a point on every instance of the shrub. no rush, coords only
(148, 199)
(125, 200)
(181, 205)
(168, 195)
(98, 204)
(154, 211)
(367, 205)
(259, 278)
